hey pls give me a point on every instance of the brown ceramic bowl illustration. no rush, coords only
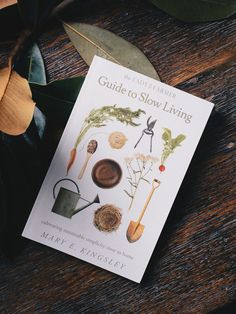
(106, 173)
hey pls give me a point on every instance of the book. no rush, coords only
(117, 169)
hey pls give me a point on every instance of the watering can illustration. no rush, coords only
(66, 200)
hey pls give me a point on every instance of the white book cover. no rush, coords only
(117, 169)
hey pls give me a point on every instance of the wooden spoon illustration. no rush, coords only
(135, 229)
(91, 149)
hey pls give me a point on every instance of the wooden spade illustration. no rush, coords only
(135, 228)
(91, 149)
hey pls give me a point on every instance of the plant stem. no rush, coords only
(131, 203)
(148, 169)
(81, 134)
(138, 164)
(128, 168)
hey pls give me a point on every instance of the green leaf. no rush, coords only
(197, 10)
(100, 116)
(40, 122)
(91, 40)
(35, 13)
(31, 66)
(21, 169)
(180, 138)
(57, 99)
(175, 142)
(29, 11)
(15, 25)
(166, 136)
(170, 144)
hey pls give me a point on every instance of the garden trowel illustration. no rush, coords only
(135, 228)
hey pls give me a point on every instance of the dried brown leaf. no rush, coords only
(16, 104)
(6, 3)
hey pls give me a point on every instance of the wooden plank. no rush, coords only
(191, 270)
(177, 50)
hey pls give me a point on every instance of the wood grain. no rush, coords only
(192, 267)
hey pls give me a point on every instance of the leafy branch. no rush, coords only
(30, 19)
(16, 104)
(170, 144)
(98, 118)
(197, 10)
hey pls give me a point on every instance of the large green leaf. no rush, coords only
(29, 11)
(197, 10)
(35, 13)
(91, 40)
(21, 172)
(10, 22)
(180, 138)
(31, 66)
(57, 99)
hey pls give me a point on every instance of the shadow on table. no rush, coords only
(24, 160)
(207, 146)
(227, 309)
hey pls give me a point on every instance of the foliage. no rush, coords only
(14, 89)
(170, 144)
(99, 117)
(90, 40)
(31, 66)
(197, 10)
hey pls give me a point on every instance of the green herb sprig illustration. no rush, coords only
(98, 118)
(170, 144)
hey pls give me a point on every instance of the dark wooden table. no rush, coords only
(192, 268)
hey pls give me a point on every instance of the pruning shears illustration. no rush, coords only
(148, 131)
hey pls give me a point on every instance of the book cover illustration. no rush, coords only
(117, 169)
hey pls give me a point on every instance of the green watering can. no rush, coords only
(66, 200)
